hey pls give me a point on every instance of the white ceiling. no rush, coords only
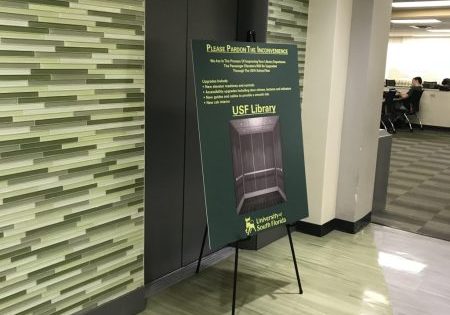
(401, 30)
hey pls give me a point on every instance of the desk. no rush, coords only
(434, 107)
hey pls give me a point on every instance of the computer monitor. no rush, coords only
(430, 85)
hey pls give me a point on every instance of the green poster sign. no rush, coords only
(248, 109)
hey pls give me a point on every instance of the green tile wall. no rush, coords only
(71, 153)
(287, 23)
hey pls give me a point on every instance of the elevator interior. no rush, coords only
(257, 163)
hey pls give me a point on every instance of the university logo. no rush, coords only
(249, 226)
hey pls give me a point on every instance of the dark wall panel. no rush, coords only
(165, 116)
(175, 209)
(252, 15)
(208, 19)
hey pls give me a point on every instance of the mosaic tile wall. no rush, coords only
(287, 23)
(71, 153)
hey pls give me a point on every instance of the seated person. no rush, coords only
(402, 105)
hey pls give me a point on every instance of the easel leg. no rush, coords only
(236, 258)
(288, 227)
(201, 250)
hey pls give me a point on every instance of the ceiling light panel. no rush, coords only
(421, 4)
(440, 31)
(418, 21)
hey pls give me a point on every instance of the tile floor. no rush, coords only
(416, 269)
(376, 271)
(419, 184)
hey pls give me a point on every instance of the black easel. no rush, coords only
(236, 260)
(205, 234)
(288, 227)
(251, 37)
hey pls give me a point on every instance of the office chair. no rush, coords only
(387, 112)
(389, 82)
(411, 107)
(445, 86)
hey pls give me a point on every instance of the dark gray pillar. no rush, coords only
(165, 132)
(207, 19)
(252, 15)
(382, 171)
(174, 207)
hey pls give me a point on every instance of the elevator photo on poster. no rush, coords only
(257, 163)
(249, 119)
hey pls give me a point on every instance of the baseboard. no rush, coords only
(315, 229)
(335, 224)
(429, 127)
(133, 302)
(352, 227)
(185, 272)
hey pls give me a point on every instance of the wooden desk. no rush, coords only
(434, 107)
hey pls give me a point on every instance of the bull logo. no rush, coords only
(249, 226)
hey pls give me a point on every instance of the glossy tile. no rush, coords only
(71, 169)
(340, 275)
(287, 23)
(377, 271)
(420, 282)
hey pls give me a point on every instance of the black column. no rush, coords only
(165, 127)
(252, 15)
(174, 207)
(207, 19)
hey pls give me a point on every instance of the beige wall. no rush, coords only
(368, 46)
(323, 102)
(412, 56)
(328, 103)
(434, 108)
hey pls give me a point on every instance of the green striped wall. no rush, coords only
(287, 23)
(71, 153)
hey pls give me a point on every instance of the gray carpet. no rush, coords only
(419, 184)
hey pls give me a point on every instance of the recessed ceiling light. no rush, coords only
(440, 31)
(421, 21)
(429, 35)
(421, 4)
